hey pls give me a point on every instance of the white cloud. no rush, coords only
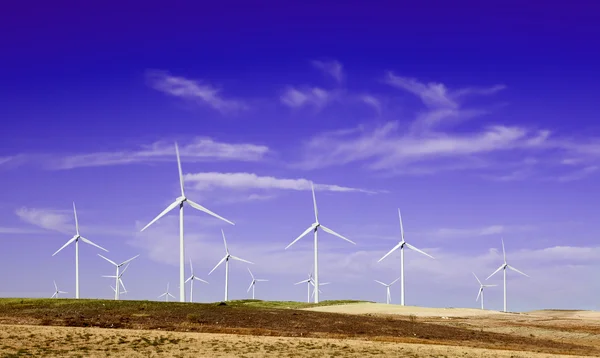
(192, 90)
(371, 101)
(331, 68)
(315, 96)
(579, 174)
(5, 160)
(461, 233)
(17, 231)
(47, 219)
(199, 149)
(244, 181)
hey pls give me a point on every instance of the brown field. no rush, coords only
(42, 327)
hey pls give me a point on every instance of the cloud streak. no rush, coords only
(332, 68)
(55, 220)
(312, 96)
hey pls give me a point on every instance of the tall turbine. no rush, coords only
(481, 287)
(192, 278)
(179, 202)
(226, 260)
(76, 239)
(253, 283)
(401, 246)
(503, 267)
(56, 291)
(314, 228)
(387, 289)
(166, 294)
(117, 277)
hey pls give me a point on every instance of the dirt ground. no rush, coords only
(101, 342)
(279, 329)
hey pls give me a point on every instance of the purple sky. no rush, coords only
(479, 122)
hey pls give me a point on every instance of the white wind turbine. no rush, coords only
(192, 278)
(226, 260)
(503, 267)
(117, 276)
(401, 246)
(320, 284)
(314, 228)
(179, 202)
(387, 289)
(118, 280)
(56, 291)
(253, 283)
(166, 294)
(76, 239)
(308, 282)
(481, 287)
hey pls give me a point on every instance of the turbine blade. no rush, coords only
(199, 279)
(112, 288)
(128, 261)
(401, 226)
(392, 250)
(189, 278)
(65, 245)
(179, 167)
(54, 295)
(237, 258)
(380, 282)
(63, 292)
(250, 273)
(171, 295)
(220, 262)
(393, 282)
(55, 287)
(164, 294)
(515, 270)
(163, 213)
(91, 243)
(122, 285)
(489, 285)
(304, 281)
(326, 229)
(477, 278)
(122, 272)
(261, 280)
(76, 221)
(109, 276)
(225, 242)
(312, 186)
(249, 287)
(495, 272)
(311, 228)
(324, 283)
(191, 267)
(417, 250)
(112, 262)
(478, 294)
(202, 208)
(503, 251)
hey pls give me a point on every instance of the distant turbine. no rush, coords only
(253, 283)
(166, 294)
(192, 278)
(56, 291)
(308, 283)
(117, 277)
(119, 280)
(76, 240)
(179, 202)
(401, 246)
(503, 268)
(314, 228)
(481, 287)
(226, 260)
(387, 289)
(320, 284)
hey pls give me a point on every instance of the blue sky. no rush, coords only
(478, 122)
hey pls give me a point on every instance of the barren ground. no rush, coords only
(255, 328)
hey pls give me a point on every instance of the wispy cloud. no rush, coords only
(17, 231)
(461, 233)
(55, 220)
(371, 101)
(332, 68)
(245, 181)
(579, 174)
(192, 90)
(299, 97)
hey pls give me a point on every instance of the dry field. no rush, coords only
(100, 328)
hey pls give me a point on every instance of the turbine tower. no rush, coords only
(401, 246)
(226, 260)
(481, 287)
(76, 239)
(387, 289)
(192, 278)
(166, 294)
(117, 276)
(314, 228)
(179, 202)
(253, 283)
(503, 267)
(56, 291)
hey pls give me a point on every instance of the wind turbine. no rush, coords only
(481, 287)
(401, 246)
(76, 239)
(179, 202)
(314, 228)
(308, 283)
(320, 284)
(226, 259)
(118, 280)
(166, 294)
(387, 288)
(117, 277)
(56, 291)
(192, 278)
(503, 268)
(253, 283)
